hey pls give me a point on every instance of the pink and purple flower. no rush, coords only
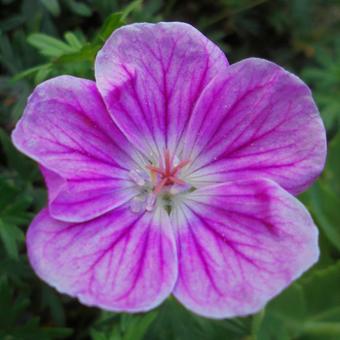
(173, 173)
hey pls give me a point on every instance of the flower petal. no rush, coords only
(66, 128)
(150, 76)
(256, 120)
(240, 244)
(54, 183)
(77, 200)
(120, 261)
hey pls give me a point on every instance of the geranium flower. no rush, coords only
(173, 173)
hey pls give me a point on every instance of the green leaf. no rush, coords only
(51, 300)
(11, 22)
(333, 165)
(57, 332)
(73, 40)
(9, 149)
(134, 5)
(30, 71)
(16, 271)
(79, 8)
(325, 205)
(49, 46)
(16, 321)
(14, 201)
(138, 325)
(87, 53)
(318, 329)
(16, 160)
(175, 322)
(52, 6)
(9, 312)
(322, 293)
(311, 306)
(257, 321)
(11, 235)
(323, 198)
(42, 74)
(114, 21)
(98, 335)
(287, 312)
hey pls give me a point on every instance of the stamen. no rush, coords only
(160, 185)
(154, 169)
(176, 180)
(167, 161)
(180, 166)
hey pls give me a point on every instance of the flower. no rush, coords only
(173, 173)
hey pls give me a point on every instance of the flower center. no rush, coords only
(158, 181)
(168, 174)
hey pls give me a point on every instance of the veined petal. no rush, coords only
(120, 261)
(239, 245)
(150, 76)
(54, 182)
(77, 200)
(256, 120)
(66, 128)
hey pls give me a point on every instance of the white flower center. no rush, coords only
(159, 184)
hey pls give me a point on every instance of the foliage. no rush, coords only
(40, 39)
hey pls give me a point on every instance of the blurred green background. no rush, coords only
(40, 39)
